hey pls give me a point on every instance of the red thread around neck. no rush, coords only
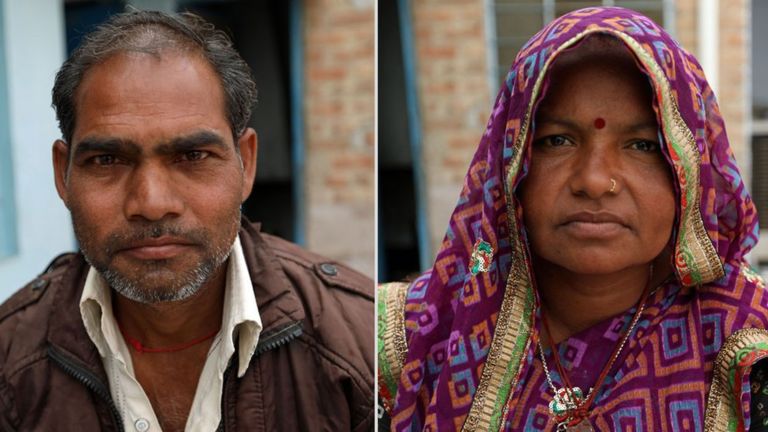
(141, 349)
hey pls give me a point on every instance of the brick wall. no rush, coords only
(454, 98)
(734, 71)
(339, 110)
(686, 17)
(735, 65)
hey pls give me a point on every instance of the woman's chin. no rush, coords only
(603, 264)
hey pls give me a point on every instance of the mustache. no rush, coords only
(126, 238)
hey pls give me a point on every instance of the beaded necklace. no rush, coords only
(569, 407)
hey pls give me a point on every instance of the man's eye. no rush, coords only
(194, 156)
(104, 160)
(645, 146)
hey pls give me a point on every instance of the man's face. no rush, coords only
(152, 177)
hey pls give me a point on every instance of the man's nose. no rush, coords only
(596, 172)
(152, 194)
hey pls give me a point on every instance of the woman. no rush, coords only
(603, 215)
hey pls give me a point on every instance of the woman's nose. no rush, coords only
(595, 172)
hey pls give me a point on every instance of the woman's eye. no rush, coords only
(553, 141)
(645, 146)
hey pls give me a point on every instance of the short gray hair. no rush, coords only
(150, 32)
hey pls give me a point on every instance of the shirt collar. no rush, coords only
(240, 317)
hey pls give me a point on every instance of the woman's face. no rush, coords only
(596, 130)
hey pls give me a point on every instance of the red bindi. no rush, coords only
(599, 123)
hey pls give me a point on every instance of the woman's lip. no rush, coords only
(594, 217)
(594, 230)
(156, 252)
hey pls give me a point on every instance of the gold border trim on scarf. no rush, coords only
(395, 346)
(510, 325)
(512, 322)
(695, 241)
(722, 407)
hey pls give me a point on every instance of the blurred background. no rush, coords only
(313, 62)
(440, 66)
(440, 63)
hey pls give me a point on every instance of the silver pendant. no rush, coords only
(565, 400)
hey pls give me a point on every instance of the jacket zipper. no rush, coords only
(278, 338)
(275, 340)
(87, 378)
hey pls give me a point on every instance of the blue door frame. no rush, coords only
(414, 131)
(8, 240)
(297, 118)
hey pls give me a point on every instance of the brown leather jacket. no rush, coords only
(312, 370)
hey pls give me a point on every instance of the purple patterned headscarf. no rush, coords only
(469, 336)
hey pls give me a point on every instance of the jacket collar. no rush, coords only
(279, 305)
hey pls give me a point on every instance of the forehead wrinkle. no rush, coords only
(645, 126)
(123, 67)
(635, 127)
(545, 119)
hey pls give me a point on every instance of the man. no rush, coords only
(176, 314)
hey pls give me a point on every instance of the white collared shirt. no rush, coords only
(240, 319)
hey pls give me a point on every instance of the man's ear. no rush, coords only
(248, 143)
(60, 153)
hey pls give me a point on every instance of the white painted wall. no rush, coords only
(33, 36)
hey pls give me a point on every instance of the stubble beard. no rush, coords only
(192, 281)
(184, 284)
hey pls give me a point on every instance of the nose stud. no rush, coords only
(613, 186)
